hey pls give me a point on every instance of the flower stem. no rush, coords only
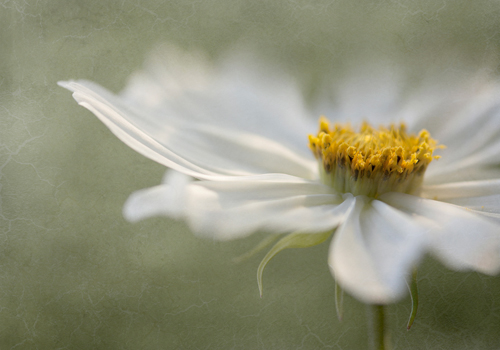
(380, 338)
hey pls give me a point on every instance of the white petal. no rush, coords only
(476, 122)
(482, 204)
(471, 136)
(380, 95)
(238, 94)
(477, 173)
(461, 189)
(488, 156)
(367, 94)
(373, 251)
(129, 133)
(237, 209)
(197, 150)
(460, 238)
(475, 142)
(234, 209)
(167, 74)
(168, 199)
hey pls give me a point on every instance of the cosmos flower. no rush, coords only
(248, 155)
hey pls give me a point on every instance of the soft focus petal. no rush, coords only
(168, 199)
(370, 94)
(482, 164)
(477, 173)
(374, 249)
(195, 149)
(476, 120)
(233, 209)
(472, 136)
(488, 204)
(461, 189)
(130, 134)
(382, 94)
(460, 238)
(482, 197)
(242, 93)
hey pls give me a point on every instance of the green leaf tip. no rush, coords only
(292, 240)
(414, 299)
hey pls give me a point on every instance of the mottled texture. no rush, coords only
(75, 275)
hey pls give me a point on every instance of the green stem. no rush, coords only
(380, 338)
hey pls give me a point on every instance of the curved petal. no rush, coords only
(381, 94)
(461, 189)
(232, 209)
(458, 237)
(167, 199)
(477, 122)
(486, 205)
(477, 173)
(134, 137)
(241, 92)
(195, 149)
(467, 122)
(373, 251)
(370, 94)
(482, 197)
(477, 165)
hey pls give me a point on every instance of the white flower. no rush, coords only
(243, 135)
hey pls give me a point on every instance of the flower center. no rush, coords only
(372, 161)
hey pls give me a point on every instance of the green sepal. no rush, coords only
(414, 298)
(293, 240)
(263, 244)
(339, 301)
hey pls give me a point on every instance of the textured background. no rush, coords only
(75, 275)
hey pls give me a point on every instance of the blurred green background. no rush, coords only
(75, 275)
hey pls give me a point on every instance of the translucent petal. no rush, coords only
(476, 120)
(461, 189)
(231, 209)
(489, 156)
(242, 93)
(471, 136)
(485, 204)
(167, 199)
(478, 173)
(196, 149)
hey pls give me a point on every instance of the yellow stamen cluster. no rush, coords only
(372, 161)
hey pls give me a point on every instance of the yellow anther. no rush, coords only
(326, 141)
(324, 124)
